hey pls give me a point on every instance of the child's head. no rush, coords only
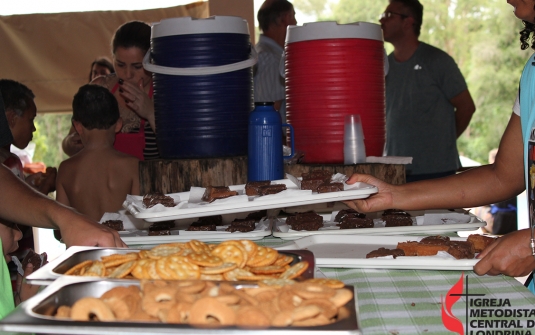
(10, 235)
(95, 107)
(20, 111)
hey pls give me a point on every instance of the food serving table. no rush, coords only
(409, 301)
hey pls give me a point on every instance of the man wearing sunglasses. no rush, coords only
(428, 105)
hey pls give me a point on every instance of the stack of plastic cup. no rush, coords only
(354, 149)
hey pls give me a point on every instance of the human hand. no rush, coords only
(72, 144)
(77, 229)
(25, 291)
(382, 200)
(509, 255)
(136, 99)
(43, 182)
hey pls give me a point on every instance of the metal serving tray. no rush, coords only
(35, 315)
(75, 255)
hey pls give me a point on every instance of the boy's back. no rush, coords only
(97, 181)
(98, 178)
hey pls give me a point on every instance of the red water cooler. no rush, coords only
(333, 70)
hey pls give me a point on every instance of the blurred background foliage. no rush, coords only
(481, 35)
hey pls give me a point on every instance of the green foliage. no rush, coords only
(51, 129)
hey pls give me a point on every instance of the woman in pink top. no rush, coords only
(132, 87)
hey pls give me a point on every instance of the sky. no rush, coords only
(59, 6)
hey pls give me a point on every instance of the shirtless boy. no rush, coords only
(98, 178)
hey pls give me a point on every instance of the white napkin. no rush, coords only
(442, 218)
(389, 160)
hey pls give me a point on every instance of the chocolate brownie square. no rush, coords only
(152, 199)
(271, 189)
(330, 187)
(252, 187)
(114, 224)
(348, 213)
(213, 193)
(352, 223)
(382, 252)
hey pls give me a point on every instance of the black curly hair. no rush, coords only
(525, 35)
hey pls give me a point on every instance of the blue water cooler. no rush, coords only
(265, 157)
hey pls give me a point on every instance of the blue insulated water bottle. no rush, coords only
(265, 159)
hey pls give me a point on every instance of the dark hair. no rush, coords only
(416, 10)
(525, 35)
(17, 97)
(95, 107)
(102, 61)
(271, 13)
(132, 34)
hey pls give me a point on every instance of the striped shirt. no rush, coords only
(268, 83)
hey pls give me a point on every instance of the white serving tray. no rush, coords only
(238, 205)
(349, 251)
(452, 221)
(136, 230)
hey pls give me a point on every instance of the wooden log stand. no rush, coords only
(179, 175)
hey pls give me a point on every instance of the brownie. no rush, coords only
(352, 223)
(163, 225)
(480, 242)
(212, 219)
(152, 199)
(213, 193)
(397, 221)
(305, 221)
(330, 187)
(208, 227)
(436, 240)
(348, 213)
(159, 232)
(114, 224)
(271, 189)
(243, 225)
(397, 212)
(310, 225)
(252, 187)
(461, 250)
(382, 252)
(257, 216)
(318, 174)
(34, 258)
(311, 184)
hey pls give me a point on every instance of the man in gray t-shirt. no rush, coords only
(428, 105)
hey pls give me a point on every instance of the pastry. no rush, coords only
(271, 189)
(252, 187)
(213, 193)
(114, 224)
(330, 187)
(355, 222)
(382, 252)
(152, 199)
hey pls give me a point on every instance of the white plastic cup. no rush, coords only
(354, 149)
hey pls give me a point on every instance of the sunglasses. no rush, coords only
(387, 15)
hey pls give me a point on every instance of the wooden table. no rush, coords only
(172, 176)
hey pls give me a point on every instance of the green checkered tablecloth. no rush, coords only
(409, 301)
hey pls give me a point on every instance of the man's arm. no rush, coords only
(464, 109)
(478, 186)
(20, 203)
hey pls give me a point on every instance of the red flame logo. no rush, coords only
(448, 319)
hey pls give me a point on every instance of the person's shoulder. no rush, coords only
(435, 52)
